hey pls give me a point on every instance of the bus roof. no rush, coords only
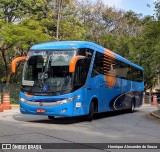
(56, 45)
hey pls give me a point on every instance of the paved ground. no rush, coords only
(115, 127)
(156, 114)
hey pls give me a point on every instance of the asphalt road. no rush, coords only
(112, 127)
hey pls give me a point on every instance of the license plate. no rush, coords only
(41, 110)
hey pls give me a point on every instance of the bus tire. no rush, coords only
(91, 112)
(51, 117)
(132, 109)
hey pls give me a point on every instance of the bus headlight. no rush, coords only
(66, 100)
(23, 100)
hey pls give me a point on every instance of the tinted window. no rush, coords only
(98, 65)
(88, 53)
(108, 66)
(82, 67)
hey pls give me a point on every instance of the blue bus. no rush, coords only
(73, 78)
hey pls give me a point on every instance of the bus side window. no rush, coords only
(112, 71)
(98, 65)
(81, 73)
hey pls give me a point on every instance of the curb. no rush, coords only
(155, 115)
(146, 104)
(15, 105)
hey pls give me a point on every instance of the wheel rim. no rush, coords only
(132, 106)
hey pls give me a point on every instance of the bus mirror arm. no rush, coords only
(73, 61)
(13, 64)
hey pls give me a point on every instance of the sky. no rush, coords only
(138, 6)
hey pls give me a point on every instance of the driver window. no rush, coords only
(81, 73)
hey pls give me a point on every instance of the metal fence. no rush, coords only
(13, 89)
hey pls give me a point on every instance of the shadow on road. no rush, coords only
(66, 120)
(111, 114)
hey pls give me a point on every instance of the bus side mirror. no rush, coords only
(13, 64)
(72, 64)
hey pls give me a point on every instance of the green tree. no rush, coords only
(20, 27)
(16, 10)
(16, 39)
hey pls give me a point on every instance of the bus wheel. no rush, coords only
(91, 112)
(132, 109)
(51, 117)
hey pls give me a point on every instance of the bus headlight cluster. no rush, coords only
(23, 100)
(66, 100)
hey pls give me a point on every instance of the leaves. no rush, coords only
(16, 39)
(24, 23)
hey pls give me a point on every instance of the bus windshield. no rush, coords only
(47, 71)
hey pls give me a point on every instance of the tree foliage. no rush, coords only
(27, 22)
(16, 40)
(16, 10)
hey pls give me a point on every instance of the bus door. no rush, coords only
(81, 81)
(101, 88)
(94, 88)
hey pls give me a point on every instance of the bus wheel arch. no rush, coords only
(92, 109)
(95, 101)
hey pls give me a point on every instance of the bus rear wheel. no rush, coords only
(51, 117)
(91, 112)
(132, 109)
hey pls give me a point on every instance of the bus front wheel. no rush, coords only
(51, 117)
(91, 112)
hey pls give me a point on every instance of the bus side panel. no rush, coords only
(124, 100)
(95, 91)
(134, 94)
(138, 94)
(108, 93)
(80, 104)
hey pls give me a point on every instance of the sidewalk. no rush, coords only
(13, 110)
(156, 114)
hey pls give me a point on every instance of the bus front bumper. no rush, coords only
(58, 110)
